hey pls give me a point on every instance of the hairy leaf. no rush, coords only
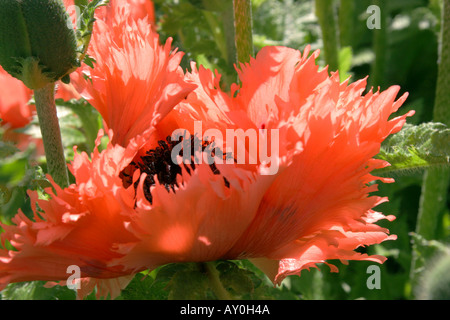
(416, 147)
(7, 149)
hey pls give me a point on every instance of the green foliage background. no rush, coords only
(201, 29)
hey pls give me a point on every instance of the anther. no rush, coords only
(158, 162)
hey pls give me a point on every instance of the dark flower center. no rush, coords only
(157, 163)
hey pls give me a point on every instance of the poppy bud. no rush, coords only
(37, 41)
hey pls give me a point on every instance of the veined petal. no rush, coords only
(135, 81)
(320, 207)
(277, 73)
(79, 226)
(196, 221)
(14, 97)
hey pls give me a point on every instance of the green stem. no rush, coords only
(213, 276)
(326, 15)
(346, 22)
(380, 46)
(432, 202)
(441, 111)
(436, 181)
(243, 29)
(229, 33)
(51, 134)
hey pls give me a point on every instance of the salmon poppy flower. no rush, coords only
(316, 207)
(132, 208)
(135, 81)
(14, 97)
(16, 112)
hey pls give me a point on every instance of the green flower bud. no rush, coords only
(37, 41)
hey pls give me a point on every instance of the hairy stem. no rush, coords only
(51, 134)
(213, 276)
(436, 181)
(229, 33)
(326, 14)
(243, 29)
(441, 111)
(380, 46)
(346, 22)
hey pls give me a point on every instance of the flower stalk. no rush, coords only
(346, 22)
(214, 280)
(243, 30)
(326, 14)
(380, 46)
(51, 134)
(441, 111)
(436, 180)
(229, 33)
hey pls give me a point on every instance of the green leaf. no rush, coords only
(18, 174)
(162, 285)
(36, 291)
(7, 149)
(90, 119)
(192, 281)
(189, 285)
(345, 62)
(182, 281)
(210, 5)
(5, 195)
(79, 123)
(416, 147)
(244, 281)
(287, 23)
(141, 288)
(86, 25)
(236, 280)
(199, 33)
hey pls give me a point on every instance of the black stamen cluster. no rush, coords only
(158, 163)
